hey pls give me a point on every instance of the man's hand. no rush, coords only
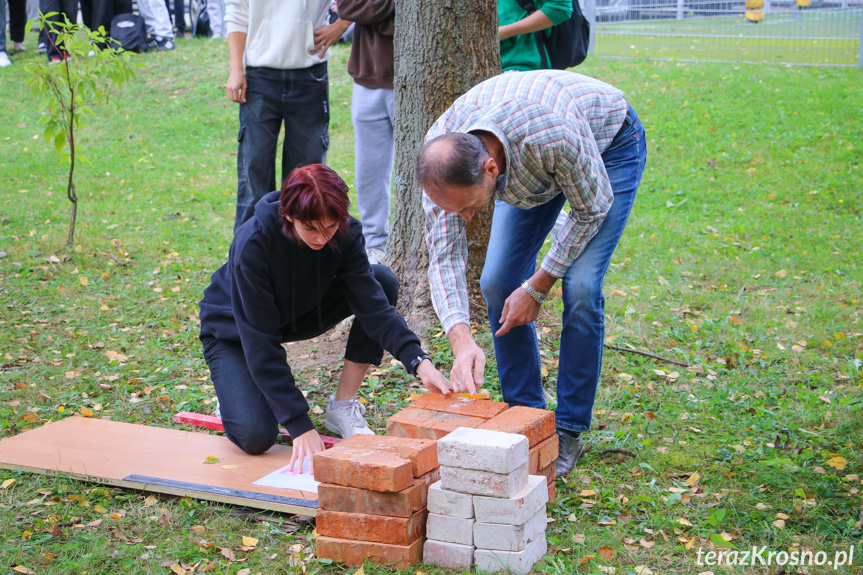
(326, 36)
(236, 86)
(469, 366)
(433, 379)
(518, 309)
(304, 446)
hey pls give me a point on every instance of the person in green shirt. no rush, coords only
(518, 46)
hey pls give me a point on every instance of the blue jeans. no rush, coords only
(300, 99)
(248, 419)
(516, 238)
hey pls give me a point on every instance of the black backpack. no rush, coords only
(566, 43)
(200, 19)
(129, 32)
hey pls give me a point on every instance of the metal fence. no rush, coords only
(804, 32)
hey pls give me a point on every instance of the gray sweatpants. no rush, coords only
(216, 12)
(372, 115)
(156, 18)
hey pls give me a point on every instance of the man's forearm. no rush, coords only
(237, 48)
(460, 338)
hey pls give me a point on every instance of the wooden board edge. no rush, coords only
(214, 423)
(166, 489)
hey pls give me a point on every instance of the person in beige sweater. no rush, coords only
(278, 76)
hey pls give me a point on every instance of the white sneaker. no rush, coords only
(19, 46)
(376, 255)
(5, 62)
(347, 419)
(218, 411)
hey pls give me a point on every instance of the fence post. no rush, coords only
(860, 56)
(767, 6)
(680, 9)
(590, 13)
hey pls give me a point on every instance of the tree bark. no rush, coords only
(442, 49)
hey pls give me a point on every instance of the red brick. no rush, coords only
(378, 528)
(535, 424)
(355, 552)
(432, 476)
(547, 471)
(552, 491)
(543, 454)
(460, 405)
(375, 470)
(422, 453)
(427, 424)
(353, 500)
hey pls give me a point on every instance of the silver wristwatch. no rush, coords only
(537, 296)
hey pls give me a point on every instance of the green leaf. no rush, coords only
(717, 539)
(59, 142)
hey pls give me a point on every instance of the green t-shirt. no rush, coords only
(522, 52)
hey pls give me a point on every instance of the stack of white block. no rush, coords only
(486, 509)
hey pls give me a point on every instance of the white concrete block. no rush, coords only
(483, 450)
(517, 509)
(450, 503)
(447, 554)
(509, 537)
(503, 485)
(450, 529)
(517, 562)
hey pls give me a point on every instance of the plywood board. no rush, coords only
(154, 459)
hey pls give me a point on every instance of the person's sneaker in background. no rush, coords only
(42, 47)
(376, 255)
(161, 44)
(19, 46)
(5, 62)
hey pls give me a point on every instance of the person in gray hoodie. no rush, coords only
(278, 76)
(295, 269)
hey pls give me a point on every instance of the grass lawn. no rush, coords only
(809, 37)
(739, 260)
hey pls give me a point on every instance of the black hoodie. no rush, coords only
(270, 280)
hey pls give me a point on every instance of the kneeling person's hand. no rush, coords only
(304, 446)
(433, 379)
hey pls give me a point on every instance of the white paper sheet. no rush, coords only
(284, 479)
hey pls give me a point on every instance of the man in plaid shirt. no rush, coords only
(531, 142)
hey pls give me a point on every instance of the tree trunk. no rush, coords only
(442, 49)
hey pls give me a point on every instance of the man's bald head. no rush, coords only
(451, 160)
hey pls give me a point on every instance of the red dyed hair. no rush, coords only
(313, 193)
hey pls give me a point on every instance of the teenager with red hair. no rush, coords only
(295, 269)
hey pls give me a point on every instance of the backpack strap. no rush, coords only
(528, 6)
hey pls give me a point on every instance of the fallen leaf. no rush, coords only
(86, 412)
(178, 570)
(150, 500)
(115, 356)
(684, 522)
(7, 483)
(211, 460)
(250, 541)
(642, 570)
(587, 493)
(647, 544)
(83, 280)
(579, 538)
(693, 479)
(781, 274)
(198, 528)
(584, 559)
(228, 466)
(21, 568)
(228, 553)
(762, 506)
(781, 516)
(838, 462)
(246, 571)
(779, 523)
(359, 571)
(650, 416)
(606, 553)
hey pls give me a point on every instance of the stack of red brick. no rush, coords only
(372, 499)
(433, 416)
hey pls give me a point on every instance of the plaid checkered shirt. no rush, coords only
(554, 126)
